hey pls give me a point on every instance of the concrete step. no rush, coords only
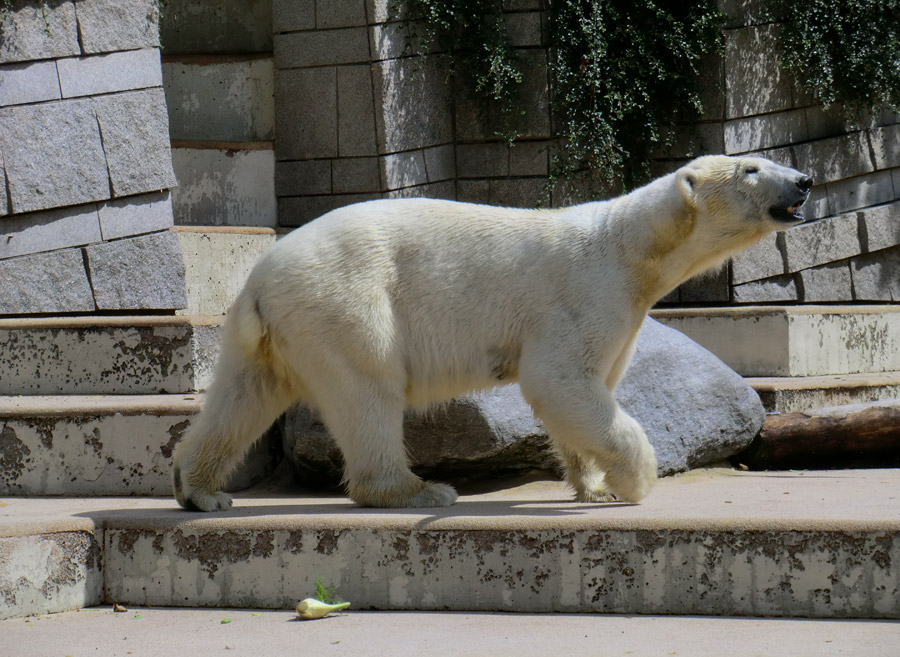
(220, 97)
(709, 542)
(217, 262)
(209, 632)
(119, 355)
(789, 394)
(104, 445)
(788, 341)
(224, 183)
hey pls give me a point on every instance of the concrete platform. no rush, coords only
(710, 542)
(121, 355)
(156, 631)
(789, 394)
(765, 341)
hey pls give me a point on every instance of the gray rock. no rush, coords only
(109, 25)
(694, 409)
(53, 282)
(37, 30)
(53, 155)
(141, 273)
(135, 130)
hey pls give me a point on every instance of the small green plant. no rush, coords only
(844, 52)
(325, 594)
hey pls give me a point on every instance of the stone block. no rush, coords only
(411, 101)
(135, 129)
(53, 155)
(473, 191)
(382, 11)
(298, 210)
(779, 288)
(321, 48)
(782, 156)
(524, 29)
(304, 178)
(876, 276)
(829, 283)
(758, 132)
(482, 160)
(225, 101)
(708, 288)
(762, 260)
(516, 192)
(403, 170)
(312, 95)
(445, 189)
(886, 146)
(224, 187)
(821, 242)
(136, 215)
(38, 30)
(352, 175)
(755, 82)
(691, 140)
(816, 206)
(54, 282)
(832, 122)
(49, 230)
(880, 227)
(340, 13)
(140, 273)
(223, 26)
(4, 199)
(440, 162)
(533, 99)
(111, 25)
(28, 83)
(101, 74)
(829, 160)
(356, 112)
(860, 192)
(529, 158)
(293, 15)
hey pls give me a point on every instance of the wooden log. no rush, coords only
(836, 436)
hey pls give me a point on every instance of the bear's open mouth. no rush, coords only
(790, 214)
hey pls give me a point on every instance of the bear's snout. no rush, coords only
(804, 184)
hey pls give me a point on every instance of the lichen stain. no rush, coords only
(328, 540)
(13, 455)
(176, 431)
(265, 544)
(213, 549)
(294, 541)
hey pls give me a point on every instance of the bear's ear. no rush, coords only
(686, 181)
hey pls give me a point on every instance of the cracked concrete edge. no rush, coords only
(741, 312)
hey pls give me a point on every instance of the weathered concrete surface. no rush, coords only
(717, 542)
(790, 394)
(217, 262)
(107, 355)
(388, 634)
(42, 573)
(96, 445)
(795, 340)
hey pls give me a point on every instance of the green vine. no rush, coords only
(844, 52)
(623, 72)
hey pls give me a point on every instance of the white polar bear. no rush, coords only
(390, 304)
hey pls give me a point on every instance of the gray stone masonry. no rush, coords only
(779, 288)
(49, 230)
(135, 215)
(42, 31)
(306, 113)
(53, 282)
(828, 160)
(222, 26)
(32, 82)
(876, 276)
(860, 192)
(356, 112)
(138, 273)
(761, 260)
(755, 82)
(101, 74)
(886, 146)
(821, 242)
(880, 227)
(108, 25)
(830, 282)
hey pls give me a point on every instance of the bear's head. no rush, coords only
(744, 195)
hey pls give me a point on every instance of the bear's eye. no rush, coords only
(751, 170)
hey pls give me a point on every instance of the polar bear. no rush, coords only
(386, 305)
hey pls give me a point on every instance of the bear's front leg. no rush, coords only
(585, 421)
(587, 479)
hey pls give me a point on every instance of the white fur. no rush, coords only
(390, 304)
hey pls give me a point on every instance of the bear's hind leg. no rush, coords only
(365, 417)
(242, 402)
(585, 477)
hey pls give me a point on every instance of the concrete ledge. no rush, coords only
(799, 393)
(718, 542)
(795, 340)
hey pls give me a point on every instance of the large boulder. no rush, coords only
(694, 408)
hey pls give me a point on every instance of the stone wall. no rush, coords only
(356, 119)
(84, 150)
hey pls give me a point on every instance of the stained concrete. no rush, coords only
(713, 542)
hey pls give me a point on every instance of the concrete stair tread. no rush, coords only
(388, 634)
(826, 381)
(713, 542)
(62, 406)
(789, 394)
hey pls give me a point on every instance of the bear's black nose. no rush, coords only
(805, 184)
